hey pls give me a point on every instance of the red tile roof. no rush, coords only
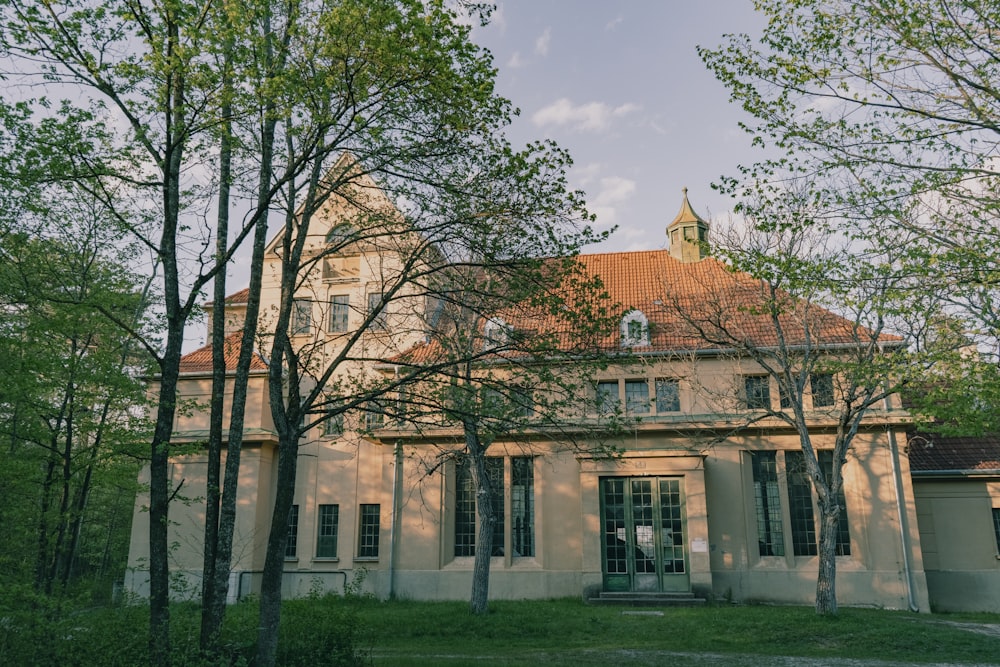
(677, 298)
(235, 299)
(932, 452)
(200, 361)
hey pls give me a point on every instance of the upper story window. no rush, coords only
(376, 312)
(341, 234)
(822, 389)
(340, 309)
(496, 333)
(757, 392)
(635, 329)
(301, 317)
(641, 396)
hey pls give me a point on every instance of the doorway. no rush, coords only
(643, 521)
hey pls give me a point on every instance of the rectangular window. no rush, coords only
(326, 537)
(800, 505)
(607, 397)
(334, 425)
(668, 398)
(301, 317)
(374, 416)
(368, 531)
(292, 540)
(757, 392)
(340, 308)
(822, 389)
(522, 506)
(767, 501)
(636, 397)
(825, 458)
(996, 526)
(376, 312)
(519, 523)
(784, 398)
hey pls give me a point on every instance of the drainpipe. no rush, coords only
(897, 483)
(397, 483)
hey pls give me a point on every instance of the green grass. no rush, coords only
(568, 632)
(355, 631)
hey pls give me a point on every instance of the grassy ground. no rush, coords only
(568, 632)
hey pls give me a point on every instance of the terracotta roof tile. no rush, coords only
(932, 452)
(235, 299)
(200, 361)
(673, 295)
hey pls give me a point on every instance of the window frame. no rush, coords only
(831, 392)
(637, 402)
(513, 503)
(369, 531)
(790, 494)
(378, 318)
(339, 319)
(675, 384)
(292, 536)
(757, 399)
(301, 320)
(327, 542)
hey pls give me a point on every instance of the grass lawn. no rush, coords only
(568, 632)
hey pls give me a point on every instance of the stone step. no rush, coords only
(644, 599)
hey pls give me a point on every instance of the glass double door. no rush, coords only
(644, 534)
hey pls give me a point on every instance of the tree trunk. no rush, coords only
(274, 561)
(479, 599)
(826, 590)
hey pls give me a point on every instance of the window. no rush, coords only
(374, 416)
(767, 502)
(667, 395)
(822, 389)
(376, 312)
(518, 496)
(757, 392)
(800, 505)
(784, 398)
(765, 467)
(334, 424)
(340, 308)
(292, 539)
(301, 317)
(326, 534)
(495, 333)
(368, 531)
(996, 527)
(825, 458)
(634, 329)
(340, 234)
(607, 397)
(636, 397)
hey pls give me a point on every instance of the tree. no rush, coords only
(72, 391)
(515, 337)
(889, 112)
(813, 320)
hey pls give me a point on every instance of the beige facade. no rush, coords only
(686, 509)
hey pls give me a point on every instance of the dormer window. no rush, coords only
(495, 333)
(341, 234)
(635, 329)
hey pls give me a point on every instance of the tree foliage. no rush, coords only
(889, 112)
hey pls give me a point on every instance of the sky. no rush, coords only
(620, 85)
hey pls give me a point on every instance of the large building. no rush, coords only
(702, 500)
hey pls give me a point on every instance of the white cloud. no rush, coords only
(592, 116)
(614, 23)
(516, 61)
(542, 43)
(612, 190)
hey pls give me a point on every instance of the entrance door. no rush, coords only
(644, 528)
